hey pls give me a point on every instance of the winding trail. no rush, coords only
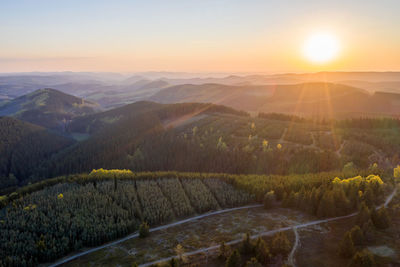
(135, 235)
(389, 198)
(272, 232)
(291, 260)
(339, 151)
(233, 242)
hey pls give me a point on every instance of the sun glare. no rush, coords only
(321, 48)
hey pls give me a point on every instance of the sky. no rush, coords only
(263, 36)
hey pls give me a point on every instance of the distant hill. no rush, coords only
(111, 90)
(115, 134)
(23, 146)
(47, 107)
(97, 122)
(118, 95)
(239, 97)
(308, 99)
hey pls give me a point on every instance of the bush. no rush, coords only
(144, 230)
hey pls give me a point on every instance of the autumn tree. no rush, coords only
(396, 173)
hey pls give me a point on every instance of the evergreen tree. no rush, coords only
(262, 252)
(346, 247)
(363, 259)
(173, 263)
(326, 205)
(253, 263)
(280, 244)
(234, 259)
(380, 218)
(246, 245)
(369, 197)
(144, 230)
(223, 251)
(180, 253)
(269, 199)
(357, 235)
(368, 230)
(363, 215)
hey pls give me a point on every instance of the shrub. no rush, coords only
(144, 230)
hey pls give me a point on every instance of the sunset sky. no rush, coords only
(203, 36)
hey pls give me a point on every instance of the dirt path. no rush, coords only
(272, 232)
(282, 139)
(339, 151)
(135, 235)
(203, 250)
(389, 198)
(291, 260)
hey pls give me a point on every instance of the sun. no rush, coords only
(321, 48)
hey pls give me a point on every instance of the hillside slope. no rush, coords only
(48, 108)
(23, 146)
(308, 99)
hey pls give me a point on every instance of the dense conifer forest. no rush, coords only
(44, 221)
(163, 163)
(147, 136)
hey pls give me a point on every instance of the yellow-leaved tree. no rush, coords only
(396, 173)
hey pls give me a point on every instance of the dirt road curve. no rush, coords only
(205, 250)
(272, 232)
(135, 235)
(291, 261)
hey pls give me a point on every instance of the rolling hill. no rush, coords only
(307, 99)
(112, 96)
(48, 108)
(23, 146)
(239, 97)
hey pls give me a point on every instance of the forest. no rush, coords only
(198, 138)
(44, 221)
(147, 164)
